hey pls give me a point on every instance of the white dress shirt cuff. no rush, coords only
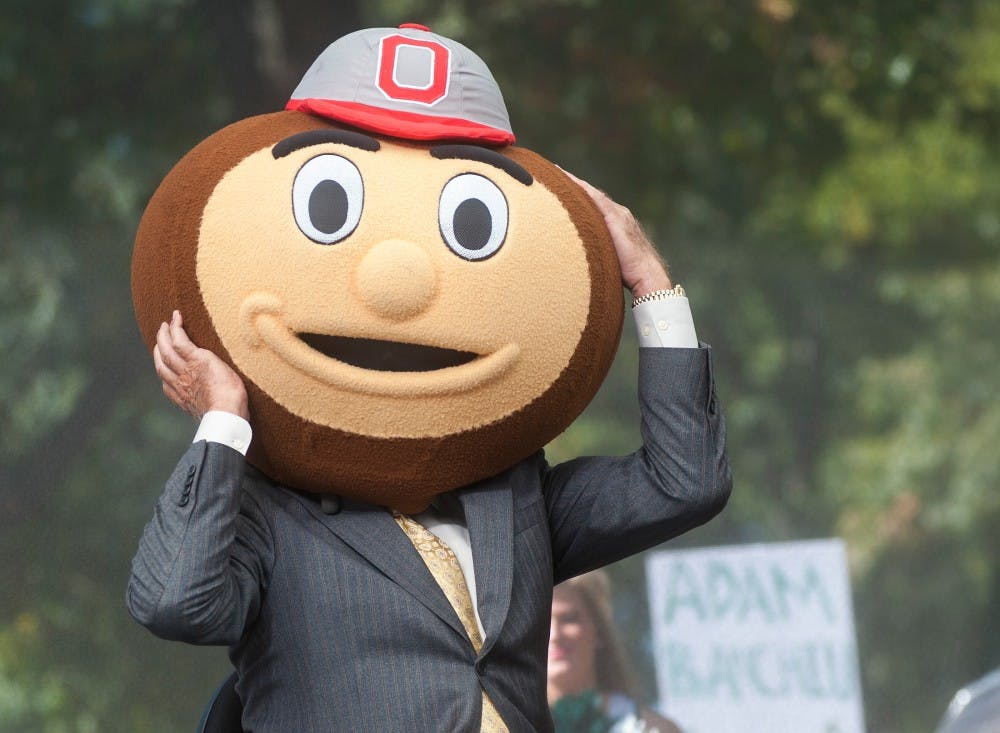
(666, 322)
(226, 428)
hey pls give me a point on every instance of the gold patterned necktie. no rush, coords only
(441, 561)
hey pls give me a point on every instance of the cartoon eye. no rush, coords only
(472, 215)
(327, 197)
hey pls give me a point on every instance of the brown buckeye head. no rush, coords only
(408, 317)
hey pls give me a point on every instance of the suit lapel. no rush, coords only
(373, 533)
(489, 516)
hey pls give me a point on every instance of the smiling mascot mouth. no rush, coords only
(372, 366)
(386, 356)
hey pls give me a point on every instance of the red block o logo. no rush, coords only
(413, 70)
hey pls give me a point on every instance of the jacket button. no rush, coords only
(192, 470)
(329, 503)
(480, 667)
(183, 501)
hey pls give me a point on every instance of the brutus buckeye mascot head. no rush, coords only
(413, 303)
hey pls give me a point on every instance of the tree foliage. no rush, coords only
(821, 176)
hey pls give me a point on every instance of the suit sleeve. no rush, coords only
(203, 561)
(604, 509)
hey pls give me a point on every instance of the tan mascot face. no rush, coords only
(408, 317)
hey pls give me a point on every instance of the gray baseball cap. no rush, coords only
(408, 83)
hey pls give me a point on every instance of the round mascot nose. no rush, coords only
(396, 279)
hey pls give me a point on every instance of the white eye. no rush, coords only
(472, 215)
(327, 197)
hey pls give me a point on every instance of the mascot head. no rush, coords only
(413, 303)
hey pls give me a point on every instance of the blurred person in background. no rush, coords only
(591, 684)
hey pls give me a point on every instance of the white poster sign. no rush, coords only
(756, 638)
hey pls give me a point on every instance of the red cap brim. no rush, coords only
(406, 125)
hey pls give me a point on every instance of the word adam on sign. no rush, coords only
(756, 638)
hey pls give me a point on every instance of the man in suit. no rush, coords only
(334, 617)
(363, 639)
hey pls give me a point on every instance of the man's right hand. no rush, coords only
(195, 379)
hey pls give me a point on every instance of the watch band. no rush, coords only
(677, 291)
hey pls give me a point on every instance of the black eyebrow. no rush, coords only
(483, 155)
(320, 137)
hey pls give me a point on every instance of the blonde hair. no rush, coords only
(614, 673)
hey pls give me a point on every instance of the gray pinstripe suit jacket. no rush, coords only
(335, 624)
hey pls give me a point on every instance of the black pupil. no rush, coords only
(473, 224)
(328, 206)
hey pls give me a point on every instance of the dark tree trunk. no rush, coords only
(265, 46)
